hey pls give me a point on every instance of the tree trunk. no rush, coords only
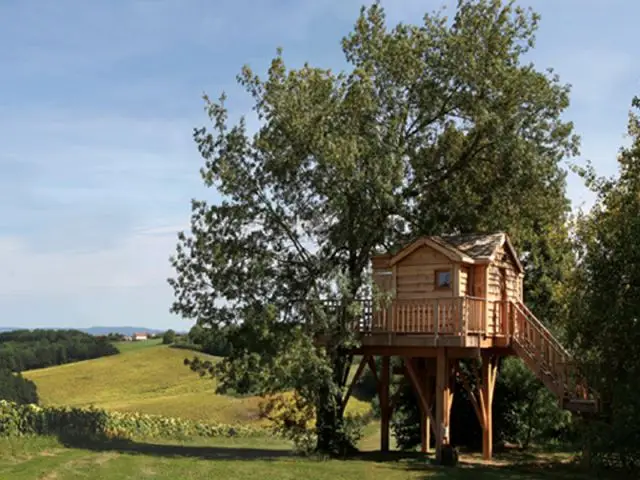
(332, 438)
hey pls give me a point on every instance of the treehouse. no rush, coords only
(446, 298)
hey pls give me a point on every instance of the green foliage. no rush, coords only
(169, 337)
(526, 412)
(405, 423)
(16, 420)
(292, 417)
(434, 128)
(15, 388)
(29, 349)
(605, 311)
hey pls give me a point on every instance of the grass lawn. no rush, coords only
(48, 459)
(148, 378)
(129, 346)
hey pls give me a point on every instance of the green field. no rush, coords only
(48, 459)
(129, 346)
(149, 378)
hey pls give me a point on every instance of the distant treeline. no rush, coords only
(28, 349)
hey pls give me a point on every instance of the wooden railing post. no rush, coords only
(436, 314)
(464, 327)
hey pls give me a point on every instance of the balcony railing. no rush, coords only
(439, 316)
(461, 316)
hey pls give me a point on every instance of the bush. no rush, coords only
(92, 423)
(169, 337)
(15, 388)
(293, 417)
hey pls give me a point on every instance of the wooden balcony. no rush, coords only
(455, 321)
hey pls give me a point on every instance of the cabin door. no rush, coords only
(504, 300)
(470, 282)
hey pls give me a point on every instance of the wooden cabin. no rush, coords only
(448, 289)
(441, 299)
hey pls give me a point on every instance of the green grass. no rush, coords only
(48, 459)
(129, 346)
(148, 379)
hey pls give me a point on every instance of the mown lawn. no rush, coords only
(147, 379)
(48, 459)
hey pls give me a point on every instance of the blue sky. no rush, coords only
(97, 105)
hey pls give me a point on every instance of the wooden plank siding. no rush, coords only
(415, 275)
(464, 280)
(411, 280)
(503, 263)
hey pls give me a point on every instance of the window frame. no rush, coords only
(437, 273)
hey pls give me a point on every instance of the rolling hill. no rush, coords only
(150, 378)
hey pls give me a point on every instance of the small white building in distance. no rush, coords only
(140, 336)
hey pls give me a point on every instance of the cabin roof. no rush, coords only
(477, 246)
(469, 248)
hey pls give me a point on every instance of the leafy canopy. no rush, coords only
(605, 312)
(431, 127)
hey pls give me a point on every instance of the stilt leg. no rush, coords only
(489, 371)
(425, 416)
(442, 401)
(429, 397)
(384, 405)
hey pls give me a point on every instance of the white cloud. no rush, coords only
(139, 260)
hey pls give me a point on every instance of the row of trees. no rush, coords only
(435, 128)
(28, 349)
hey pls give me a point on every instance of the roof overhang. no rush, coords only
(387, 260)
(507, 243)
(448, 251)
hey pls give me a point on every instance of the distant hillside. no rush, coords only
(123, 330)
(147, 378)
(97, 330)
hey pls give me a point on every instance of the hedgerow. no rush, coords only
(30, 419)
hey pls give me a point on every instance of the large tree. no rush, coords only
(435, 128)
(605, 307)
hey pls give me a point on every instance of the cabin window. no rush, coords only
(443, 279)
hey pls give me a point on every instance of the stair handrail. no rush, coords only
(528, 314)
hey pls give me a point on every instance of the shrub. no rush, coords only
(293, 417)
(15, 388)
(169, 337)
(93, 423)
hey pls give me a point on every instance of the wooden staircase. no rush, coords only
(548, 359)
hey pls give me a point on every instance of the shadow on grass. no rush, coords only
(513, 466)
(175, 451)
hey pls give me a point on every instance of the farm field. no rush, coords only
(147, 377)
(47, 458)
(129, 346)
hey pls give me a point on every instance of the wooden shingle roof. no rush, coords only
(468, 248)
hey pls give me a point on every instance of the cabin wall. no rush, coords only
(415, 275)
(503, 263)
(463, 280)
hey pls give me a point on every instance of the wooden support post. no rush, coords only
(384, 405)
(489, 374)
(429, 387)
(442, 401)
(482, 399)
(430, 394)
(354, 381)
